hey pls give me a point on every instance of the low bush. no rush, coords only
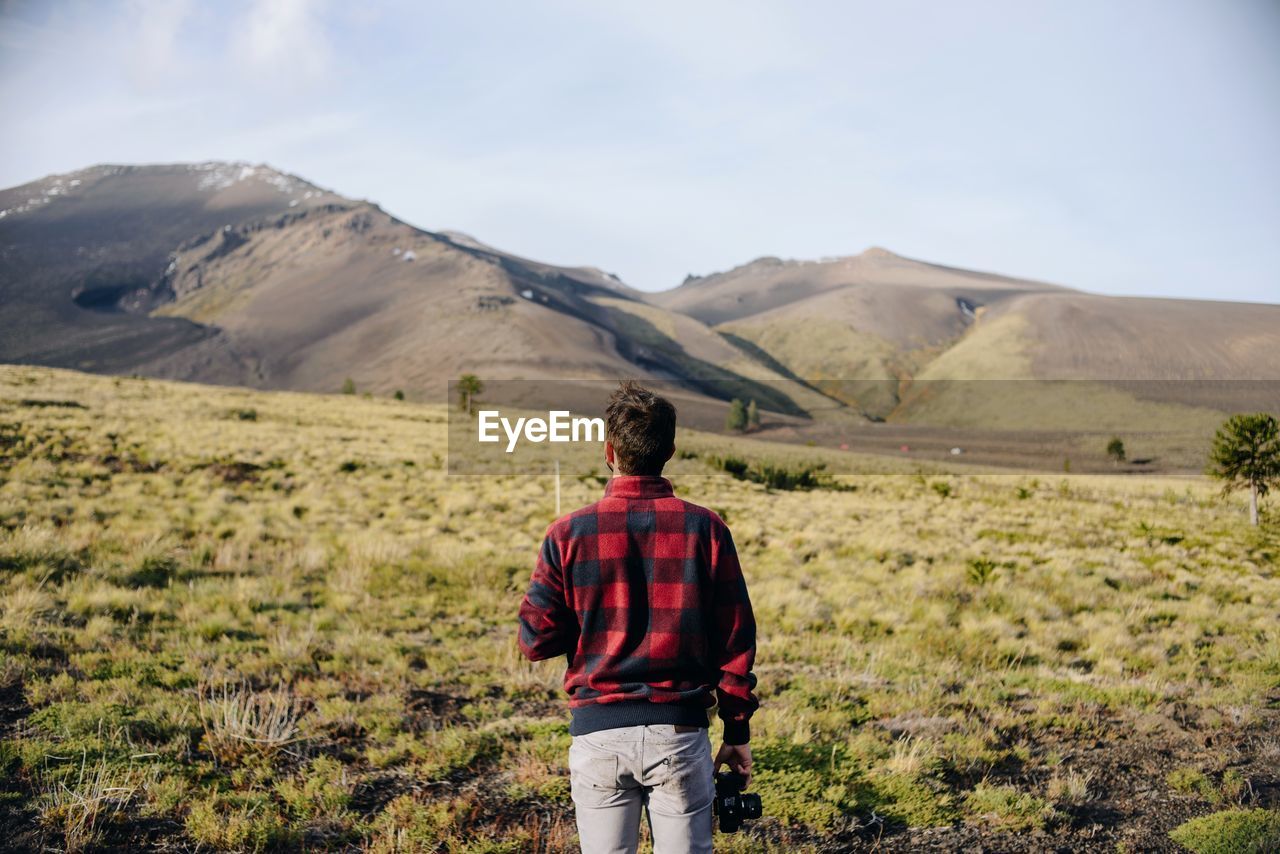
(1236, 831)
(1005, 808)
(239, 823)
(774, 475)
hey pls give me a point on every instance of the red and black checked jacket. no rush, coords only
(643, 592)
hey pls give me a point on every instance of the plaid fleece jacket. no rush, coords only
(643, 592)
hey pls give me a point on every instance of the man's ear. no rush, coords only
(609, 456)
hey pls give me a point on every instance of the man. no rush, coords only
(643, 592)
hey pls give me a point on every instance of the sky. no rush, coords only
(1124, 148)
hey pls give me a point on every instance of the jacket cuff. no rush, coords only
(737, 732)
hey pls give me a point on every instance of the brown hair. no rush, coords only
(642, 427)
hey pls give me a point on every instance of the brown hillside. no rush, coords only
(238, 274)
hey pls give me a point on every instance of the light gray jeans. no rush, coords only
(615, 773)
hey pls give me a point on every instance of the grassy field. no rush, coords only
(243, 621)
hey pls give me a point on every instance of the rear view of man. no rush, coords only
(643, 592)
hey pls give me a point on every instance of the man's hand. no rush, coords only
(738, 758)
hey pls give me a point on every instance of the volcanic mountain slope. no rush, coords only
(863, 327)
(768, 284)
(239, 274)
(1074, 335)
(83, 255)
(852, 326)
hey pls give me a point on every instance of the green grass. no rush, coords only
(296, 630)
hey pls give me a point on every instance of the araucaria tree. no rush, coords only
(1246, 454)
(469, 386)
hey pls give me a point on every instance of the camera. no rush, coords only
(733, 805)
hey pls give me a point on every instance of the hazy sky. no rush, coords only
(1123, 147)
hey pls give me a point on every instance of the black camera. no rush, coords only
(733, 805)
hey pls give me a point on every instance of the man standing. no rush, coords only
(643, 593)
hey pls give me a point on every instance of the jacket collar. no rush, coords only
(638, 486)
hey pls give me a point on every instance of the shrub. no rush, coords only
(734, 466)
(1234, 785)
(1008, 809)
(166, 793)
(245, 823)
(410, 825)
(781, 477)
(1235, 831)
(1192, 781)
(805, 797)
(321, 795)
(908, 799)
(154, 571)
(810, 784)
(981, 571)
(774, 475)
(453, 749)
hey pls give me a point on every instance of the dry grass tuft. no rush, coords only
(239, 721)
(77, 809)
(1070, 788)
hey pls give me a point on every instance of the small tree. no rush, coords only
(1115, 450)
(399, 395)
(1246, 453)
(469, 386)
(348, 386)
(737, 419)
(753, 415)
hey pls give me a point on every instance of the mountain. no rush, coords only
(83, 256)
(240, 274)
(853, 326)
(864, 328)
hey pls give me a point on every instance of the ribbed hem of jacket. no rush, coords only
(597, 716)
(737, 732)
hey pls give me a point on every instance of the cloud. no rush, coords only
(282, 42)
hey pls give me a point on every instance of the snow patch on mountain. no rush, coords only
(215, 176)
(49, 189)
